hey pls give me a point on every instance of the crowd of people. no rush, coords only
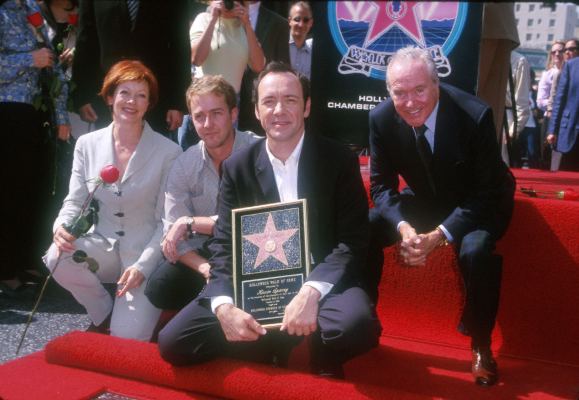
(54, 56)
(238, 91)
(533, 133)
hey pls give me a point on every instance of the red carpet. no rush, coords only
(83, 364)
(33, 378)
(526, 178)
(538, 315)
(421, 354)
(546, 181)
(141, 362)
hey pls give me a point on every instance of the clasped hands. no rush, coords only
(300, 318)
(415, 248)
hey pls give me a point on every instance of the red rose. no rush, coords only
(73, 19)
(35, 19)
(109, 174)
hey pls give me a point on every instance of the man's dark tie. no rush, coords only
(133, 7)
(425, 152)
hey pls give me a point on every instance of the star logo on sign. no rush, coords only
(270, 242)
(395, 13)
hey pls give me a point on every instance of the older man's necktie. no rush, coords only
(425, 153)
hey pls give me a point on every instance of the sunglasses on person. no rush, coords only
(557, 51)
(300, 19)
(570, 48)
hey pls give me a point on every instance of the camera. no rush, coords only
(228, 4)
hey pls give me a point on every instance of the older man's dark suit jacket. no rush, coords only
(329, 178)
(474, 188)
(159, 39)
(564, 121)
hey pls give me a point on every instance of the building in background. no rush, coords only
(540, 23)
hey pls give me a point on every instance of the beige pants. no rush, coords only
(133, 316)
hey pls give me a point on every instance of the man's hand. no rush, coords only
(238, 325)
(131, 278)
(177, 233)
(416, 249)
(214, 9)
(428, 242)
(205, 270)
(301, 314)
(240, 12)
(551, 139)
(87, 113)
(409, 253)
(174, 119)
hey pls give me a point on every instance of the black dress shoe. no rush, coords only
(327, 367)
(280, 355)
(335, 371)
(484, 366)
(323, 361)
(280, 359)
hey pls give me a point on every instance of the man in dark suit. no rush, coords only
(442, 141)
(272, 31)
(154, 32)
(332, 305)
(564, 122)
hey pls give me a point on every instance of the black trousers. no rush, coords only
(480, 268)
(570, 160)
(173, 286)
(347, 326)
(26, 181)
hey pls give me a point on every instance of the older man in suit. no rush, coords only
(564, 123)
(442, 141)
(332, 305)
(154, 32)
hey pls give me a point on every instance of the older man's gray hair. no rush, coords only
(412, 53)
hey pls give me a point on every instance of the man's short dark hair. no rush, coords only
(280, 67)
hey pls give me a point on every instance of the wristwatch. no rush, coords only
(190, 224)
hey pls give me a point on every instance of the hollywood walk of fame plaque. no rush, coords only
(270, 258)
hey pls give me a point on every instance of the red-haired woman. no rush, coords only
(125, 240)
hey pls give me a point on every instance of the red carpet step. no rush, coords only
(80, 365)
(538, 314)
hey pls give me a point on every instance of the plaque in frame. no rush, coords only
(270, 258)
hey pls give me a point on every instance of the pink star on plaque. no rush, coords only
(270, 242)
(395, 13)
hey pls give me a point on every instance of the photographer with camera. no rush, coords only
(223, 42)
